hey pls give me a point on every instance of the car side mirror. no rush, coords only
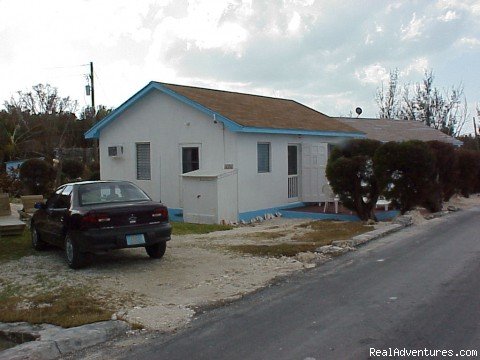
(40, 205)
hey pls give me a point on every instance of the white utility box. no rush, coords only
(210, 197)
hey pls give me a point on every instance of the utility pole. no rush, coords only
(93, 111)
(92, 87)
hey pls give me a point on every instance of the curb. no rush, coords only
(52, 341)
(341, 246)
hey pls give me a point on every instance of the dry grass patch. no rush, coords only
(324, 232)
(278, 250)
(66, 307)
(268, 235)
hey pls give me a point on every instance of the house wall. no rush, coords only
(167, 124)
(266, 190)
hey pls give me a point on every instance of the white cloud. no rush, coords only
(450, 15)
(418, 65)
(413, 29)
(294, 24)
(469, 42)
(372, 74)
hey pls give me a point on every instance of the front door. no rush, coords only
(314, 162)
(293, 172)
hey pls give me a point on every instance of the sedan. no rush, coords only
(92, 216)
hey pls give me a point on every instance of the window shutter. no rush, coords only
(143, 161)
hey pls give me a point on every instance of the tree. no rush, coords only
(445, 110)
(73, 169)
(37, 176)
(388, 99)
(404, 172)
(350, 173)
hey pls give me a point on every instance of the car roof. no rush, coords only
(96, 182)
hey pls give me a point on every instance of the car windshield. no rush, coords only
(104, 193)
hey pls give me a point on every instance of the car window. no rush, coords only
(100, 193)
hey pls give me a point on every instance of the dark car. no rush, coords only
(92, 216)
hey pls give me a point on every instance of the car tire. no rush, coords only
(156, 251)
(74, 257)
(37, 242)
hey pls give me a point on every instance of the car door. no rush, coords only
(57, 213)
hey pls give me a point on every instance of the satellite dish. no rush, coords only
(358, 110)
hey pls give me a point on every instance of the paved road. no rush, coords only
(415, 289)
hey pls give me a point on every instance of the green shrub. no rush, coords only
(405, 172)
(37, 176)
(350, 173)
(73, 169)
(468, 171)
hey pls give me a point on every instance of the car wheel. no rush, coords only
(75, 258)
(37, 243)
(156, 251)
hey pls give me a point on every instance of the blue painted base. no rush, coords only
(177, 214)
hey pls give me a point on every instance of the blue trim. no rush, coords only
(248, 215)
(175, 214)
(94, 131)
(381, 216)
(250, 129)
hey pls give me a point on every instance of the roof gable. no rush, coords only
(242, 112)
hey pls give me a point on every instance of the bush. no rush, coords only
(405, 172)
(468, 171)
(10, 184)
(350, 173)
(37, 176)
(73, 169)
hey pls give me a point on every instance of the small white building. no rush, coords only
(218, 156)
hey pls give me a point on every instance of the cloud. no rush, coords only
(414, 28)
(450, 15)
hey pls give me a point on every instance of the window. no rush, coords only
(263, 157)
(292, 160)
(143, 161)
(190, 159)
(99, 193)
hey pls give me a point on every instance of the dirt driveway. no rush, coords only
(196, 271)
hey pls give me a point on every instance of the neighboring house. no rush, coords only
(218, 155)
(397, 130)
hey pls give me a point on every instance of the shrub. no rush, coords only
(468, 171)
(405, 172)
(10, 184)
(73, 169)
(350, 173)
(37, 176)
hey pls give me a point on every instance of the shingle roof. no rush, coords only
(397, 130)
(261, 111)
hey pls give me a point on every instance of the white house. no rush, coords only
(217, 155)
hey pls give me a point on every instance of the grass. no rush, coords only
(66, 307)
(324, 232)
(278, 250)
(180, 228)
(15, 247)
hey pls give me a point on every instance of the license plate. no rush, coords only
(137, 239)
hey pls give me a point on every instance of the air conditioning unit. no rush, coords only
(115, 151)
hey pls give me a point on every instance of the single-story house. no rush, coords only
(216, 156)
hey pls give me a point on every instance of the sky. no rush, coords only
(329, 55)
